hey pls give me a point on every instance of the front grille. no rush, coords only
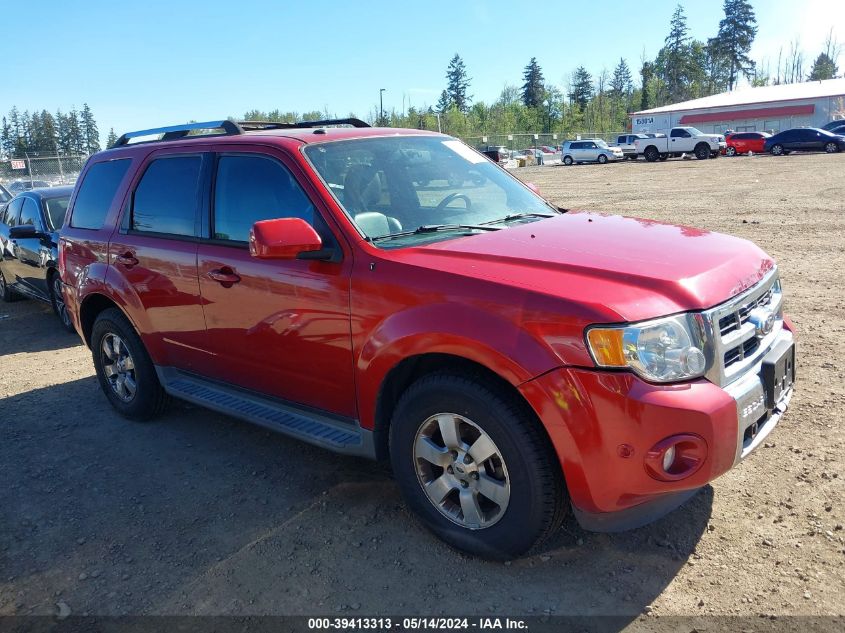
(736, 341)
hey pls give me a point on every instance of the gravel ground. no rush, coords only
(198, 513)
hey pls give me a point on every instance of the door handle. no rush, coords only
(127, 259)
(225, 276)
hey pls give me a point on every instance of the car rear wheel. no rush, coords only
(831, 148)
(475, 466)
(58, 302)
(777, 150)
(6, 293)
(125, 371)
(731, 151)
(567, 160)
(602, 159)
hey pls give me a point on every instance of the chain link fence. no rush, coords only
(34, 171)
(529, 140)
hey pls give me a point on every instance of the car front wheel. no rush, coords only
(125, 371)
(602, 159)
(475, 466)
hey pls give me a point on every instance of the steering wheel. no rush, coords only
(451, 198)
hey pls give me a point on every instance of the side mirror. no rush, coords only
(22, 232)
(533, 188)
(283, 238)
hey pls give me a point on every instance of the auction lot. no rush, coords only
(198, 513)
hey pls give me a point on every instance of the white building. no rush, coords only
(768, 108)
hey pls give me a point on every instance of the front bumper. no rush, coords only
(602, 425)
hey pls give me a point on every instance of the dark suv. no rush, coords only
(395, 294)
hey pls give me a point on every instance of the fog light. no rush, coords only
(693, 360)
(676, 457)
(669, 458)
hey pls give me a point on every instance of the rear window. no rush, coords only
(97, 192)
(166, 199)
(56, 208)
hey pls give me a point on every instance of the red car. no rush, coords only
(745, 142)
(511, 359)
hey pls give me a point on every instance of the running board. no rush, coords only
(309, 426)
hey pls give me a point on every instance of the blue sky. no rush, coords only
(149, 63)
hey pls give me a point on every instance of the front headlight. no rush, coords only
(663, 350)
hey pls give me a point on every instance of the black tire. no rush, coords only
(537, 498)
(58, 302)
(731, 151)
(651, 154)
(149, 399)
(602, 159)
(7, 294)
(831, 148)
(567, 160)
(777, 150)
(702, 151)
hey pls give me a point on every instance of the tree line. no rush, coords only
(46, 134)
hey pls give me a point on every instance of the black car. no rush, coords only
(18, 186)
(29, 243)
(807, 139)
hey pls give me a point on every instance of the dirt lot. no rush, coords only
(201, 514)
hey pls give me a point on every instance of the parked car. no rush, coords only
(17, 186)
(512, 360)
(832, 125)
(498, 154)
(589, 151)
(840, 131)
(29, 248)
(680, 140)
(5, 196)
(744, 142)
(626, 144)
(805, 139)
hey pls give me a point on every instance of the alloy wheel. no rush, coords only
(731, 151)
(777, 150)
(830, 148)
(118, 367)
(461, 471)
(61, 308)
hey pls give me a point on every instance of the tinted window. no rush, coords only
(13, 212)
(29, 213)
(252, 188)
(678, 133)
(56, 208)
(96, 193)
(166, 199)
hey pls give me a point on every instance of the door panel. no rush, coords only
(282, 327)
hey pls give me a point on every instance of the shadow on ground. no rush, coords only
(200, 513)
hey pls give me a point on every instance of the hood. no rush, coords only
(620, 268)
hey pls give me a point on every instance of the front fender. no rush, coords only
(446, 328)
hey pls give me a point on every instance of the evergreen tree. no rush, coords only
(736, 35)
(112, 138)
(457, 83)
(532, 88)
(6, 144)
(90, 135)
(582, 88)
(621, 86)
(646, 76)
(445, 102)
(823, 68)
(674, 57)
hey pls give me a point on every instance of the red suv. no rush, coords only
(745, 142)
(510, 358)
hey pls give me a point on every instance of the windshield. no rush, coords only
(601, 143)
(695, 131)
(56, 208)
(394, 187)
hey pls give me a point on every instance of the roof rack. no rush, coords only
(174, 132)
(230, 128)
(276, 125)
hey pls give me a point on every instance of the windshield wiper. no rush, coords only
(519, 216)
(434, 228)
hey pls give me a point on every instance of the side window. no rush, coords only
(167, 197)
(679, 133)
(13, 212)
(29, 213)
(252, 188)
(591, 146)
(96, 193)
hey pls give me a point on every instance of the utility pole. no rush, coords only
(381, 105)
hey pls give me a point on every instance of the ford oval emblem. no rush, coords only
(763, 320)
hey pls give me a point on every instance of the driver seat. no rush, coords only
(362, 191)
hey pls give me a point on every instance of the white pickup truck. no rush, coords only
(678, 141)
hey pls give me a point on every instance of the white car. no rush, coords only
(589, 151)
